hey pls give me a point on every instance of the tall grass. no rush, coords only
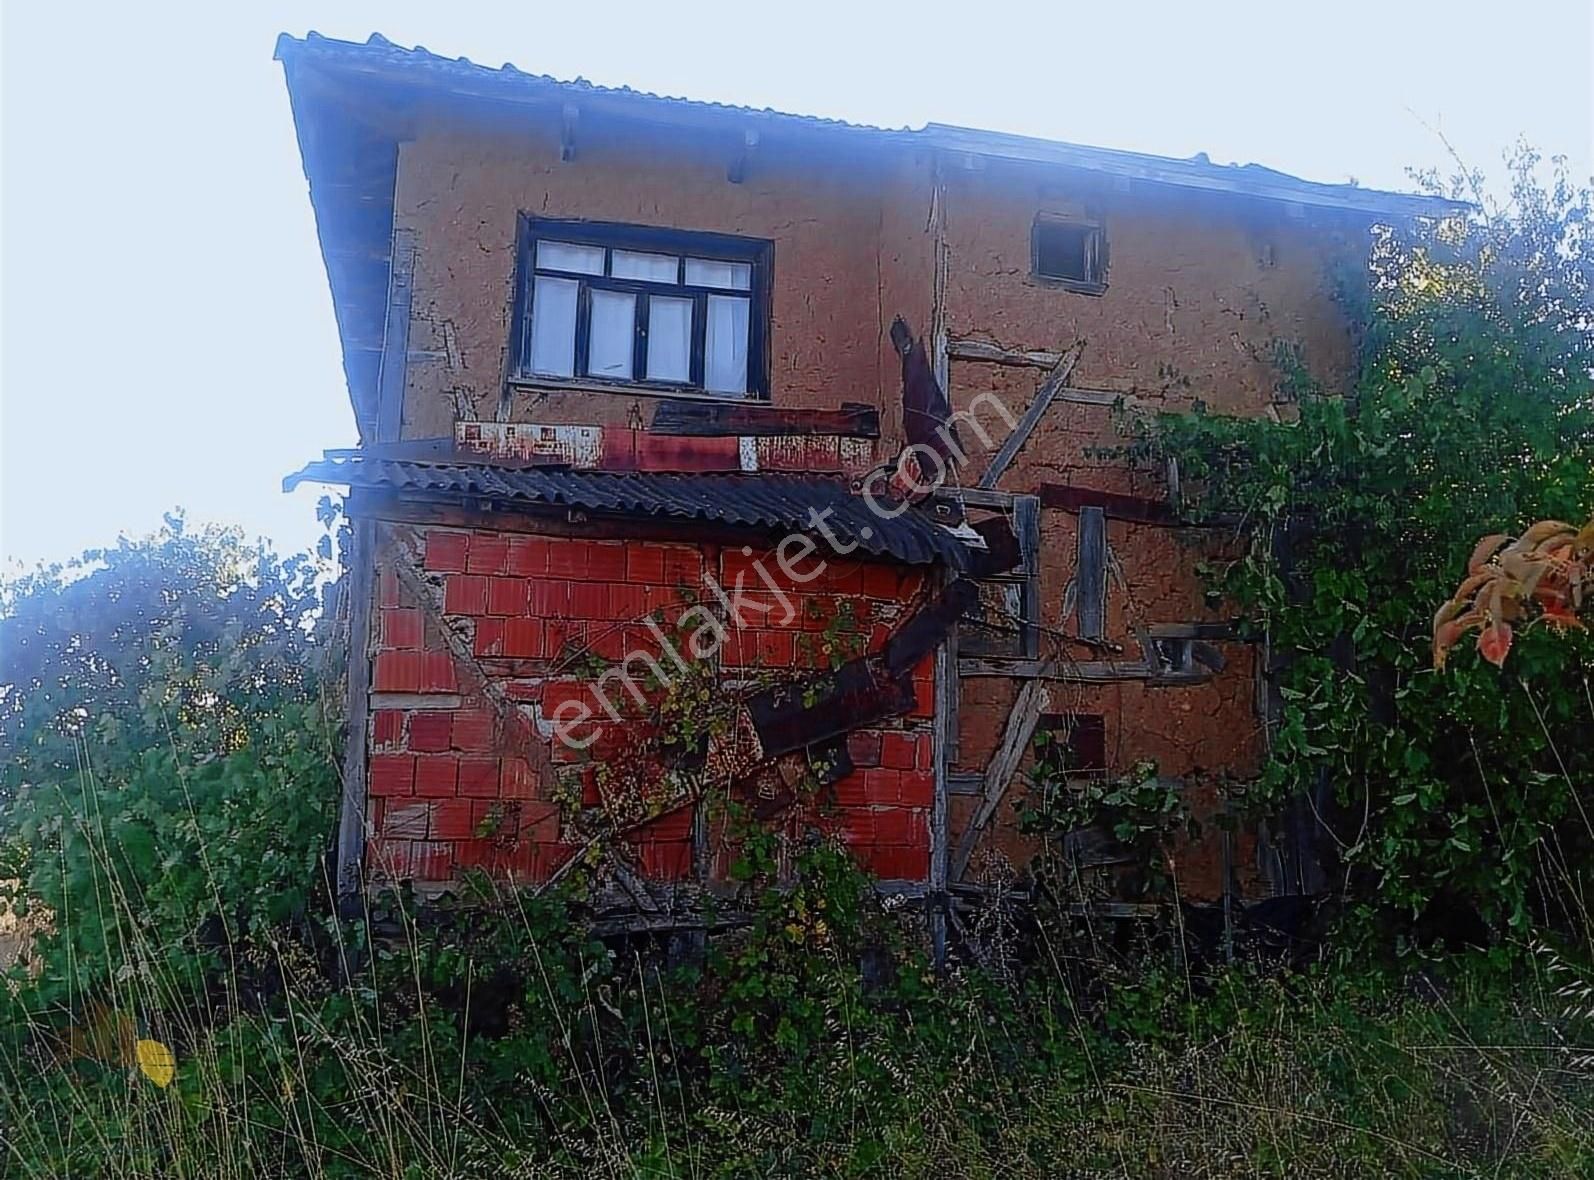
(357, 1048)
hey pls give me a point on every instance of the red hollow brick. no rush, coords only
(402, 627)
(452, 819)
(478, 777)
(899, 864)
(489, 553)
(431, 732)
(548, 599)
(666, 862)
(506, 596)
(387, 727)
(880, 581)
(392, 774)
(465, 594)
(852, 791)
(567, 558)
(528, 556)
(436, 775)
(882, 785)
(916, 788)
(864, 747)
(474, 728)
(523, 638)
(898, 825)
(437, 672)
(606, 561)
(446, 552)
(898, 750)
(489, 637)
(399, 671)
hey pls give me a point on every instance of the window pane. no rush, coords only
(587, 260)
(611, 334)
(709, 272)
(650, 268)
(553, 326)
(725, 348)
(669, 339)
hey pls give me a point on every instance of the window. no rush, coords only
(1071, 254)
(636, 306)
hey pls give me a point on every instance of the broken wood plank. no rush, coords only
(714, 419)
(1090, 575)
(1038, 406)
(964, 348)
(1083, 672)
(1032, 699)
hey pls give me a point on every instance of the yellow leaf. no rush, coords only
(157, 1062)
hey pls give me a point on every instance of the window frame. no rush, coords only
(1096, 234)
(611, 236)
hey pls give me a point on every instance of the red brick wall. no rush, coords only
(480, 635)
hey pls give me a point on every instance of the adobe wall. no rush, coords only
(850, 251)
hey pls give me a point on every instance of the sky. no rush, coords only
(166, 335)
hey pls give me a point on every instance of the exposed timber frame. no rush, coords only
(1032, 701)
(1055, 381)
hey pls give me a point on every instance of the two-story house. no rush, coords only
(611, 354)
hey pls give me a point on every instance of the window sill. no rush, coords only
(1077, 286)
(684, 393)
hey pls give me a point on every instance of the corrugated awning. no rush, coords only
(768, 503)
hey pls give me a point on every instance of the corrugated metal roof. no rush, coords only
(772, 503)
(379, 58)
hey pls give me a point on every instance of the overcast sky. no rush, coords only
(167, 333)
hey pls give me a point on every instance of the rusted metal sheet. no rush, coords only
(577, 446)
(811, 452)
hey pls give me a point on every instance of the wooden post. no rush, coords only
(351, 816)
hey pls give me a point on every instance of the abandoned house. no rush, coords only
(720, 465)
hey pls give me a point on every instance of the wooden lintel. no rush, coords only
(722, 417)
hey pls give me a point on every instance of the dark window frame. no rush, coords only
(1095, 253)
(757, 252)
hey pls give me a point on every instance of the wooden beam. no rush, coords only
(1032, 699)
(396, 339)
(946, 688)
(1090, 575)
(1084, 672)
(1026, 425)
(722, 417)
(964, 348)
(351, 813)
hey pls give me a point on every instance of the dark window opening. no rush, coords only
(1071, 253)
(643, 307)
(1082, 738)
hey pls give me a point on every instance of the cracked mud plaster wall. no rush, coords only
(1200, 288)
(849, 227)
(1189, 730)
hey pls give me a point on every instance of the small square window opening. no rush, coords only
(1071, 254)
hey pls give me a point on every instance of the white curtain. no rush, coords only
(669, 339)
(725, 347)
(611, 334)
(553, 326)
